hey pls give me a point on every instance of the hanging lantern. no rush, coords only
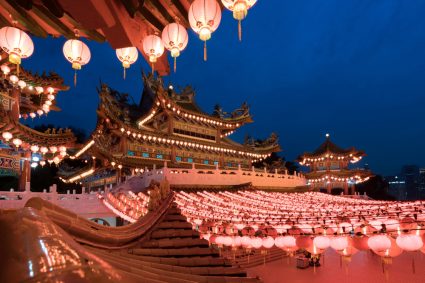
(22, 84)
(42, 163)
(204, 18)
(32, 115)
(153, 47)
(39, 89)
(175, 39)
(17, 142)
(14, 79)
(45, 108)
(50, 97)
(40, 112)
(44, 150)
(240, 10)
(77, 53)
(7, 136)
(5, 69)
(127, 56)
(34, 148)
(17, 44)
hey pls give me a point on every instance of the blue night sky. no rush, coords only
(353, 68)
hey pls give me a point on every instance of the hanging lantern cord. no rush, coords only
(205, 50)
(124, 72)
(75, 78)
(175, 64)
(240, 30)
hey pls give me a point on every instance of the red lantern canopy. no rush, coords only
(204, 18)
(175, 39)
(240, 10)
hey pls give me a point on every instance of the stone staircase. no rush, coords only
(173, 252)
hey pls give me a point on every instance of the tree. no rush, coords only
(376, 187)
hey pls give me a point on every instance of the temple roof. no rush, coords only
(328, 148)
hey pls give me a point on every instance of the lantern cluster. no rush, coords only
(53, 154)
(30, 88)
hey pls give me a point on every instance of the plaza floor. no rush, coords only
(364, 267)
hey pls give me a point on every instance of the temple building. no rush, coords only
(329, 168)
(28, 96)
(169, 127)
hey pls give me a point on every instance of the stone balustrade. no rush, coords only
(223, 177)
(85, 204)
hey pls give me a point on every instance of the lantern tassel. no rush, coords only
(75, 78)
(175, 64)
(205, 50)
(240, 30)
(124, 73)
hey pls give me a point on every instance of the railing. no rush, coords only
(223, 177)
(85, 204)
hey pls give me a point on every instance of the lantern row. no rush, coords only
(192, 144)
(14, 79)
(204, 18)
(58, 153)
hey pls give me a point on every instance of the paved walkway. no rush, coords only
(365, 267)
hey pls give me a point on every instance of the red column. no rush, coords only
(16, 94)
(25, 176)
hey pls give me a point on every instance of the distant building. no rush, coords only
(396, 187)
(410, 174)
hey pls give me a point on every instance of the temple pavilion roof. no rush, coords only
(328, 149)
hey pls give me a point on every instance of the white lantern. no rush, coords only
(16, 43)
(40, 112)
(44, 150)
(14, 79)
(39, 89)
(32, 115)
(22, 84)
(17, 142)
(153, 48)
(127, 56)
(204, 18)
(77, 53)
(34, 148)
(5, 69)
(175, 39)
(240, 10)
(7, 136)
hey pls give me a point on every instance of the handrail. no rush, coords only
(90, 233)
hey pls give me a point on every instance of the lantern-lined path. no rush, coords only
(364, 267)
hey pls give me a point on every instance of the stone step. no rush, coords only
(175, 243)
(183, 252)
(174, 233)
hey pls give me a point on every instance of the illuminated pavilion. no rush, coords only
(329, 167)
